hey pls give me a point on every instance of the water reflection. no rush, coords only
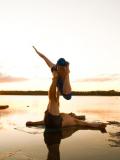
(115, 139)
(1, 127)
(53, 140)
(11, 117)
(104, 114)
(12, 122)
(114, 136)
(6, 112)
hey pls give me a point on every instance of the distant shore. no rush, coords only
(75, 93)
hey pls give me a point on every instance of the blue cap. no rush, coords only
(62, 62)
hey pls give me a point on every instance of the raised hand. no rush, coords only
(40, 54)
(35, 48)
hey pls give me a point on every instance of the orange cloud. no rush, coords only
(101, 78)
(7, 78)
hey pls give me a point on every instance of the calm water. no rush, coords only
(18, 142)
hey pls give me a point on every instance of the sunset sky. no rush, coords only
(85, 32)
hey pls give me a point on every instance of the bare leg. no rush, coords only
(66, 85)
(80, 117)
(38, 123)
(64, 81)
(71, 121)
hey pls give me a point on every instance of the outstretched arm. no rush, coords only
(48, 62)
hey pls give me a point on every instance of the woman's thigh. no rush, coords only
(68, 120)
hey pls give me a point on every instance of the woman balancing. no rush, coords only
(62, 68)
(55, 120)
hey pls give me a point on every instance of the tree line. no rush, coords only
(75, 93)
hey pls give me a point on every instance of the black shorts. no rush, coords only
(52, 121)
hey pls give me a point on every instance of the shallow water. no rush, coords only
(18, 142)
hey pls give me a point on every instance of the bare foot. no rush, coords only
(37, 123)
(29, 123)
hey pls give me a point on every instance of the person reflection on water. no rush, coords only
(53, 140)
